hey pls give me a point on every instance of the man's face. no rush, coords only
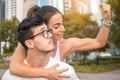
(43, 41)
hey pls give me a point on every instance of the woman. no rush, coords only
(54, 20)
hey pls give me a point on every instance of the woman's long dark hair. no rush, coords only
(31, 12)
(45, 12)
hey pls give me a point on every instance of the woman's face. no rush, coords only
(57, 25)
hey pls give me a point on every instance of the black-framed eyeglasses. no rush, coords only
(44, 33)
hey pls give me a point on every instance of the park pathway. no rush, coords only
(112, 75)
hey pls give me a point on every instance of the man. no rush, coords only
(36, 38)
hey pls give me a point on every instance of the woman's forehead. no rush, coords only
(57, 18)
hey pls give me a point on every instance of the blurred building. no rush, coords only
(56, 3)
(17, 8)
(10, 8)
(27, 4)
(2, 10)
(67, 6)
(98, 12)
(42, 2)
(81, 6)
(84, 6)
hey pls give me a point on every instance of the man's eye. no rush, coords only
(42, 32)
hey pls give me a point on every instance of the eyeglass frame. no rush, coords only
(43, 34)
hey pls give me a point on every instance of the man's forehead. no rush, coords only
(43, 27)
(39, 28)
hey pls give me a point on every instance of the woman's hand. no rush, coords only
(106, 12)
(54, 74)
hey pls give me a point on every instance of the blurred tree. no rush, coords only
(115, 29)
(8, 31)
(97, 51)
(80, 25)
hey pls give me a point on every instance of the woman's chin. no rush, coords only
(60, 39)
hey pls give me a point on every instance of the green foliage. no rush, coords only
(79, 25)
(115, 30)
(4, 65)
(96, 68)
(106, 64)
(8, 34)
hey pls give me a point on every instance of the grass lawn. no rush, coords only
(106, 64)
(93, 68)
(4, 65)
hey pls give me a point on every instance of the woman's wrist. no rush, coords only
(107, 23)
(45, 73)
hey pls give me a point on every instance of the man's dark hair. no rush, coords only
(24, 31)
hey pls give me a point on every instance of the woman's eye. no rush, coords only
(56, 26)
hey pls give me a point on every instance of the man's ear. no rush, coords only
(29, 43)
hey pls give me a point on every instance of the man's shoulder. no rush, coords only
(62, 64)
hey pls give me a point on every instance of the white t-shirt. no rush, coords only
(52, 61)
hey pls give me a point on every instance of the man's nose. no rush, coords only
(50, 35)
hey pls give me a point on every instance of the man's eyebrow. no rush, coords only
(42, 29)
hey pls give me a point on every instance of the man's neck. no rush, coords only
(36, 59)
